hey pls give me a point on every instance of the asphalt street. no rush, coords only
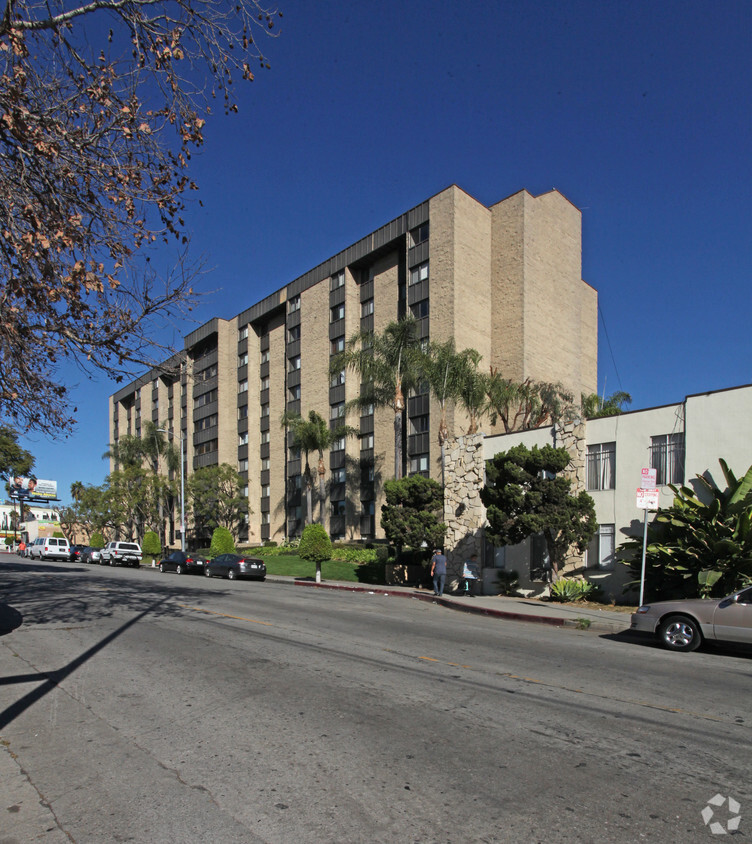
(136, 706)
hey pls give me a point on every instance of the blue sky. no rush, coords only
(638, 112)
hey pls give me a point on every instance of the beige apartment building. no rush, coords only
(505, 280)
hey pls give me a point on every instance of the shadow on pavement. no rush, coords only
(10, 619)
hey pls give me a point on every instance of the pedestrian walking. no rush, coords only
(438, 571)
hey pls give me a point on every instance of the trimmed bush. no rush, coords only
(270, 543)
(222, 542)
(97, 540)
(315, 544)
(151, 544)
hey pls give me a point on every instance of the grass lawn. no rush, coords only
(292, 566)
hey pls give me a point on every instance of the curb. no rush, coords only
(551, 621)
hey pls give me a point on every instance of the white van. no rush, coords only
(50, 548)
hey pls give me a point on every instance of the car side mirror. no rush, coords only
(726, 602)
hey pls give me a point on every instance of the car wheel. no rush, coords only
(178, 569)
(680, 633)
(206, 571)
(231, 574)
(162, 568)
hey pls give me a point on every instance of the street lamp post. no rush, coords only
(182, 485)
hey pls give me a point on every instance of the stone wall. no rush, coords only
(464, 513)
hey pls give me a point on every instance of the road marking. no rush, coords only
(226, 615)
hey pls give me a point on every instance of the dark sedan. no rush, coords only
(75, 553)
(235, 565)
(182, 563)
(91, 555)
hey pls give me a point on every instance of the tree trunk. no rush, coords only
(322, 490)
(399, 406)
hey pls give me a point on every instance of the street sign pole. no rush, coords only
(644, 549)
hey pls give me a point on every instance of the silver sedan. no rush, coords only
(683, 625)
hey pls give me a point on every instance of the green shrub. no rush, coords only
(59, 534)
(97, 540)
(8, 540)
(151, 544)
(354, 555)
(383, 552)
(270, 543)
(568, 589)
(221, 542)
(315, 544)
(507, 582)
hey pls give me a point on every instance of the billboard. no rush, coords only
(33, 488)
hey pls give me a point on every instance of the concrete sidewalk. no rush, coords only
(512, 609)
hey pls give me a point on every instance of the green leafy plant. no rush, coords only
(583, 623)
(411, 515)
(568, 589)
(151, 547)
(702, 544)
(221, 542)
(507, 582)
(315, 546)
(96, 540)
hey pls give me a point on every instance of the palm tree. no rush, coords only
(76, 491)
(521, 406)
(389, 364)
(453, 376)
(314, 435)
(594, 406)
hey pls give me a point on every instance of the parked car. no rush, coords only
(684, 625)
(182, 563)
(236, 565)
(91, 555)
(49, 548)
(75, 553)
(121, 554)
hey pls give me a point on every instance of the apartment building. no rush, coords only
(679, 441)
(505, 280)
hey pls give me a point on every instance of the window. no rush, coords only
(243, 386)
(243, 438)
(264, 410)
(297, 482)
(339, 508)
(264, 437)
(265, 491)
(265, 357)
(244, 491)
(366, 308)
(207, 447)
(338, 280)
(264, 464)
(265, 518)
(366, 441)
(667, 458)
(419, 234)
(419, 424)
(294, 452)
(338, 445)
(205, 398)
(338, 476)
(368, 508)
(337, 411)
(265, 383)
(243, 359)
(419, 463)
(337, 312)
(337, 379)
(243, 411)
(600, 553)
(420, 309)
(419, 273)
(206, 374)
(338, 345)
(293, 334)
(206, 422)
(243, 465)
(293, 305)
(366, 410)
(243, 332)
(601, 466)
(295, 393)
(294, 363)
